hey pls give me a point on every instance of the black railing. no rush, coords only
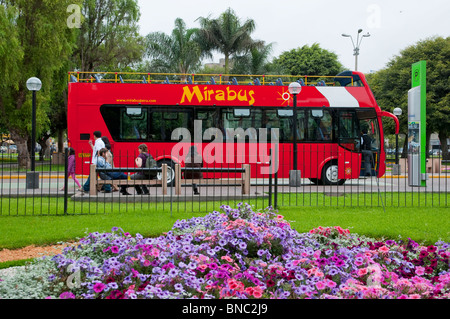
(222, 183)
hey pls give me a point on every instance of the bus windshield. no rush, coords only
(350, 125)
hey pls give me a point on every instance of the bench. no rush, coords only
(243, 181)
(94, 181)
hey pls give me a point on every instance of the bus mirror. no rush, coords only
(241, 112)
(317, 113)
(285, 113)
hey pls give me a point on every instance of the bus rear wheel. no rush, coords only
(330, 174)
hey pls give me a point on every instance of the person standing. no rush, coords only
(96, 147)
(366, 149)
(71, 168)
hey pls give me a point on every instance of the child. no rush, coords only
(71, 169)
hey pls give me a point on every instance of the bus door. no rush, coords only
(348, 137)
(368, 122)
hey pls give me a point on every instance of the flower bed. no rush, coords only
(240, 253)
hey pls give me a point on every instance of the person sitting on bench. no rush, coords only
(102, 163)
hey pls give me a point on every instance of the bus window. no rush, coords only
(209, 118)
(125, 123)
(368, 120)
(319, 125)
(269, 121)
(133, 124)
(234, 120)
(286, 125)
(348, 130)
(161, 127)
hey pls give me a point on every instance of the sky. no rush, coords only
(393, 25)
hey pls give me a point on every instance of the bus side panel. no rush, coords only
(349, 164)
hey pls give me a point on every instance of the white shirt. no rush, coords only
(99, 144)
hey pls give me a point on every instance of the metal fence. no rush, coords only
(222, 184)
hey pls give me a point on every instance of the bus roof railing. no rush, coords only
(212, 79)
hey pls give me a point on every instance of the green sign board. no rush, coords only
(417, 123)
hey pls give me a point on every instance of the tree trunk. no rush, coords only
(227, 67)
(23, 158)
(60, 141)
(444, 146)
(405, 148)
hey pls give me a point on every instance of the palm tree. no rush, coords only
(227, 35)
(255, 61)
(179, 52)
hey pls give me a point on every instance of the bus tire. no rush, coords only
(316, 181)
(170, 172)
(330, 174)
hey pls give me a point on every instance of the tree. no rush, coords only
(255, 61)
(107, 40)
(109, 35)
(179, 52)
(227, 35)
(34, 41)
(309, 60)
(391, 85)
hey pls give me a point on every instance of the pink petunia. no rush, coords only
(257, 292)
(420, 270)
(384, 249)
(98, 287)
(320, 285)
(331, 284)
(362, 272)
(227, 258)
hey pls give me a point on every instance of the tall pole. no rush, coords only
(396, 148)
(295, 132)
(357, 45)
(33, 84)
(33, 133)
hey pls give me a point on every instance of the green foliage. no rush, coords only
(227, 35)
(390, 85)
(179, 52)
(109, 35)
(255, 61)
(35, 41)
(309, 60)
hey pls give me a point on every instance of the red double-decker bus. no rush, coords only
(232, 120)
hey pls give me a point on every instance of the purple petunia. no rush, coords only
(241, 253)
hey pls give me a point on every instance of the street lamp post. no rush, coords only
(294, 175)
(396, 168)
(358, 44)
(33, 84)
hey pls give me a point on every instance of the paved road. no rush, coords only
(50, 186)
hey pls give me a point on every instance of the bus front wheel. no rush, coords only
(330, 174)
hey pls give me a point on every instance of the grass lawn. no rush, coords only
(425, 223)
